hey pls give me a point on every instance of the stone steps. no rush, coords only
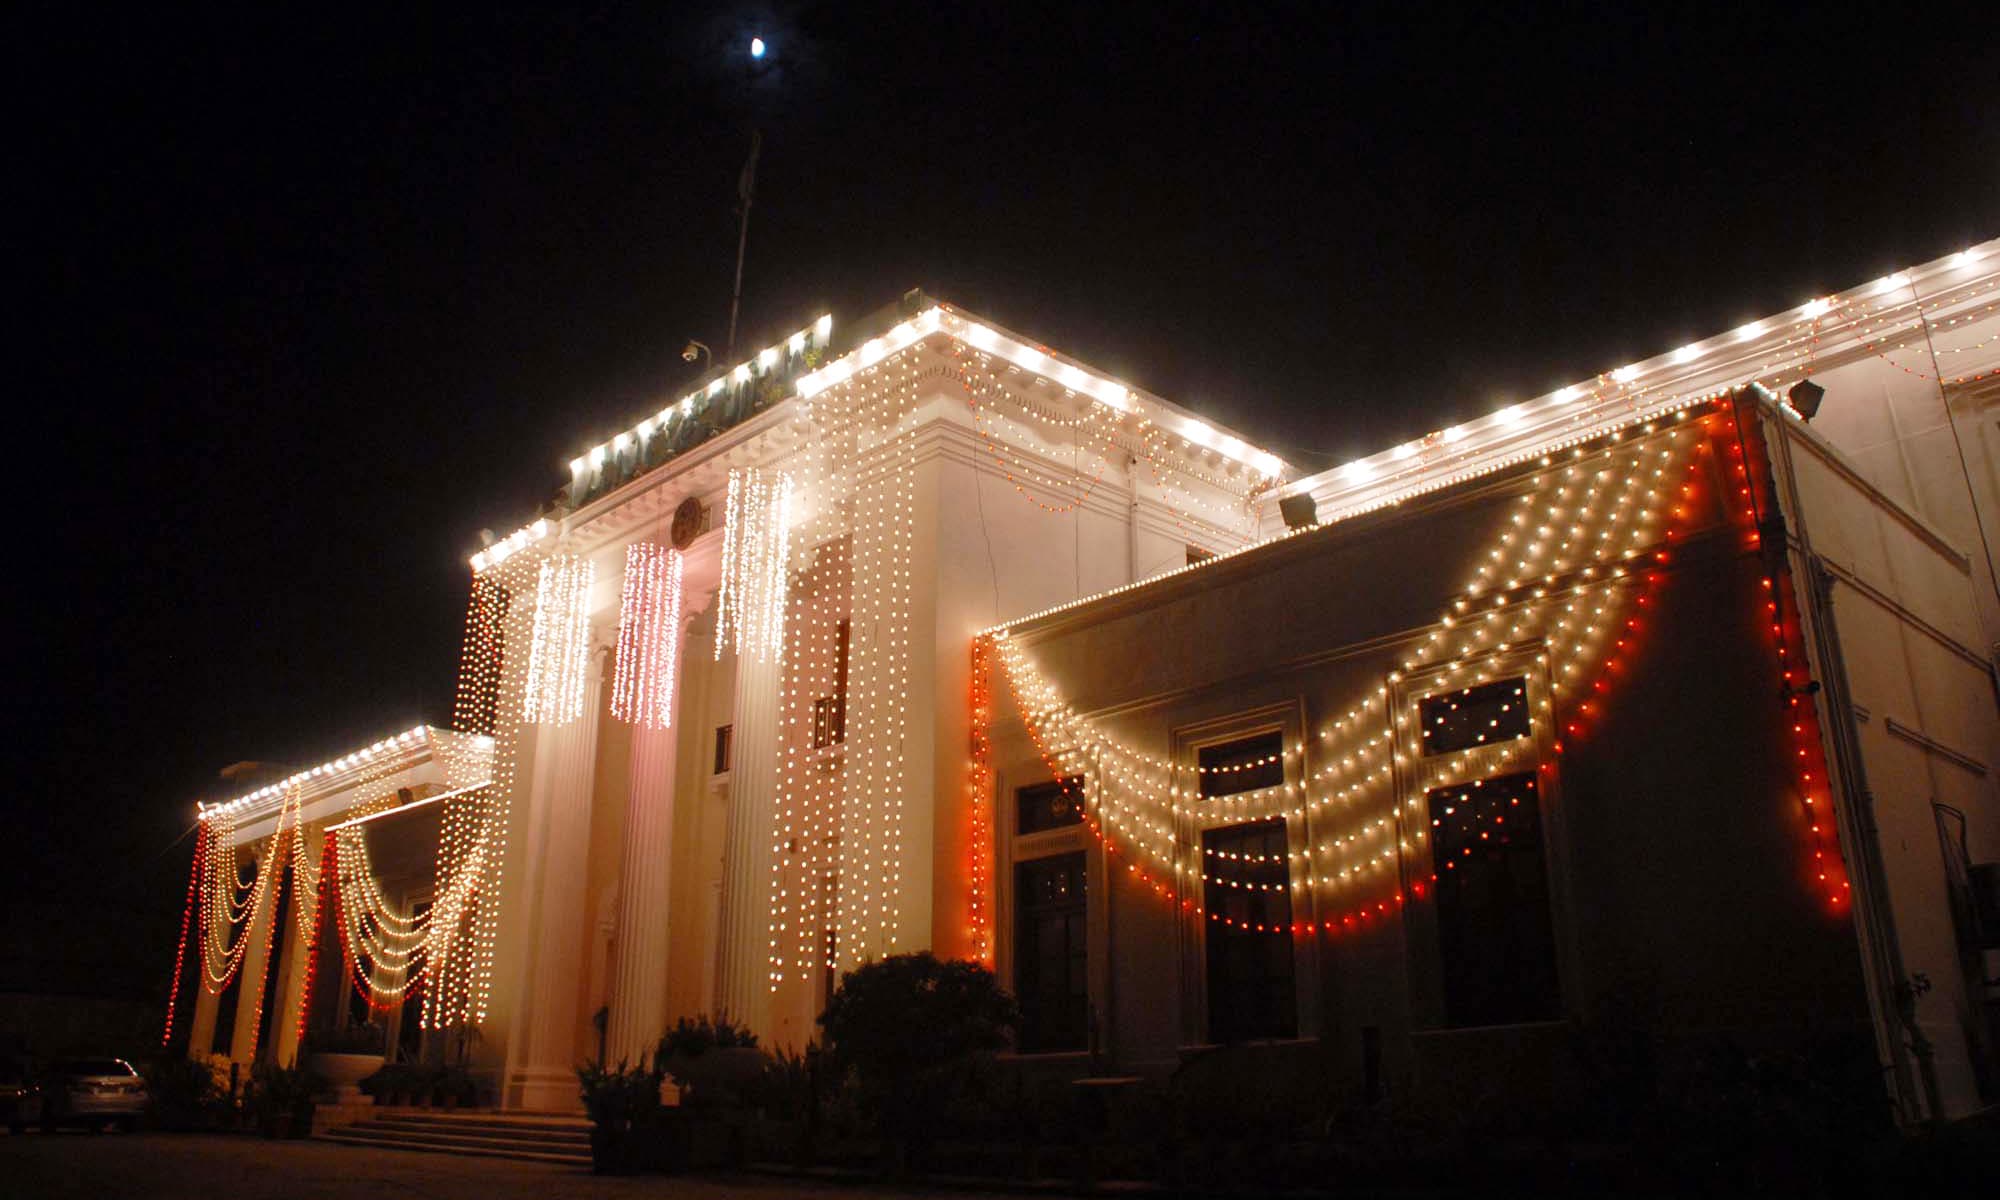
(533, 1137)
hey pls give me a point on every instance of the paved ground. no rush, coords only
(156, 1166)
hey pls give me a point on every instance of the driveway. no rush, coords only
(156, 1166)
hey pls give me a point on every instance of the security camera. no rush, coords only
(693, 351)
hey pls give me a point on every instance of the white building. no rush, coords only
(733, 721)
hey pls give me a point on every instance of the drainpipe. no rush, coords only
(1874, 921)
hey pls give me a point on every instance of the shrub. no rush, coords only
(913, 1030)
(693, 1037)
(281, 1098)
(619, 1100)
(185, 1093)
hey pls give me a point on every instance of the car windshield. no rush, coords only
(96, 1066)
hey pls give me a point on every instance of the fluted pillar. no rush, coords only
(541, 1073)
(639, 995)
(743, 982)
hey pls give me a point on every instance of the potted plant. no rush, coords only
(282, 1099)
(623, 1103)
(453, 1087)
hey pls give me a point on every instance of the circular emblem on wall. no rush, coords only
(687, 523)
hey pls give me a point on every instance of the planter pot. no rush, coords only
(344, 1072)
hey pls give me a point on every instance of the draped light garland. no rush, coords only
(1576, 553)
(502, 616)
(750, 601)
(382, 945)
(649, 624)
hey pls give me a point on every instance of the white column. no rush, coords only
(541, 1072)
(250, 977)
(289, 996)
(639, 990)
(743, 984)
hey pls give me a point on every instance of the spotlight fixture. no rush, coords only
(1300, 511)
(1805, 397)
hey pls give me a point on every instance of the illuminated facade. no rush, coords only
(927, 637)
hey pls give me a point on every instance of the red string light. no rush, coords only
(187, 915)
(1587, 710)
(311, 947)
(1754, 479)
(979, 788)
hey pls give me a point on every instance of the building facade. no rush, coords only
(927, 637)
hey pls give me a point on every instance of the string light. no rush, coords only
(649, 623)
(559, 649)
(1551, 574)
(750, 601)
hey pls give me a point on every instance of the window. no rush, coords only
(1243, 765)
(1247, 893)
(1046, 806)
(1475, 716)
(830, 712)
(1051, 954)
(724, 736)
(1496, 939)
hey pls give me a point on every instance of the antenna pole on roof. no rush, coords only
(746, 188)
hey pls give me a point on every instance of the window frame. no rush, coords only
(1011, 851)
(1202, 813)
(1418, 774)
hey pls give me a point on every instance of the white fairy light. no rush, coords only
(750, 602)
(559, 654)
(649, 620)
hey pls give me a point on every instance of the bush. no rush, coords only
(185, 1093)
(400, 1083)
(693, 1037)
(622, 1102)
(914, 1031)
(281, 1099)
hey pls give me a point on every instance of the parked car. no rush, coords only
(20, 1098)
(92, 1091)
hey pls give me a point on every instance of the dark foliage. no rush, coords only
(914, 1032)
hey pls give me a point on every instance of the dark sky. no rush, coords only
(302, 306)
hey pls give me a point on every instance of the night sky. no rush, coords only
(303, 306)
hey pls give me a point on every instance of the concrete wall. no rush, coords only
(1916, 695)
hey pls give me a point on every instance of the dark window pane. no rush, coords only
(1476, 716)
(724, 736)
(1243, 765)
(1051, 954)
(1495, 935)
(1249, 902)
(1049, 805)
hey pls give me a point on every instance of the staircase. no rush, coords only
(534, 1137)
